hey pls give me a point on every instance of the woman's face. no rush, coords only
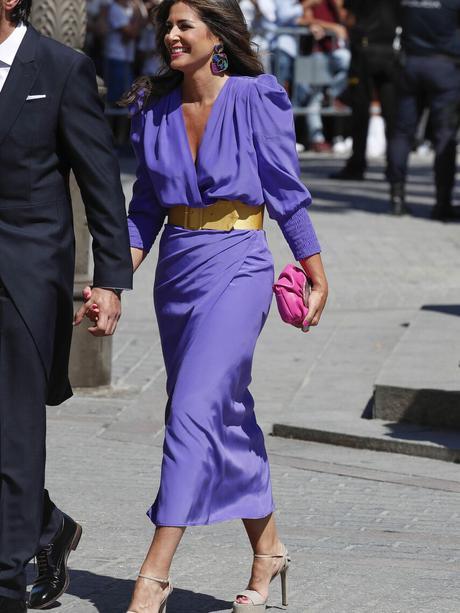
(188, 39)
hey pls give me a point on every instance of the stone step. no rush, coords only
(376, 435)
(420, 380)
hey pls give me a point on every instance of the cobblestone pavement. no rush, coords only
(368, 532)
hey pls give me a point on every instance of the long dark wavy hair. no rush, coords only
(225, 20)
(21, 11)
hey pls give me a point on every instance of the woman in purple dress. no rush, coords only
(215, 145)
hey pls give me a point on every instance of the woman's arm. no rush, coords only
(138, 256)
(314, 269)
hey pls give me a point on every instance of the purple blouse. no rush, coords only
(247, 153)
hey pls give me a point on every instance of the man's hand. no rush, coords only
(103, 308)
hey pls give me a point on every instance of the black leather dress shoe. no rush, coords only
(347, 174)
(398, 200)
(8, 605)
(445, 213)
(53, 576)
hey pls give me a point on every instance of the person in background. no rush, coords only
(148, 61)
(96, 30)
(126, 18)
(260, 17)
(373, 28)
(324, 19)
(289, 13)
(430, 72)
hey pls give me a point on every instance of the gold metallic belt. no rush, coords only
(222, 215)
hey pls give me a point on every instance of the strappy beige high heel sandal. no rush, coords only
(257, 603)
(169, 588)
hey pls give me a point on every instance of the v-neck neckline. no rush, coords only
(207, 126)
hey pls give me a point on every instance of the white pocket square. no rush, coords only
(36, 97)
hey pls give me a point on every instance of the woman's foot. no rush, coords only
(263, 571)
(149, 595)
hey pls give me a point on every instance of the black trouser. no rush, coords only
(372, 71)
(28, 519)
(435, 79)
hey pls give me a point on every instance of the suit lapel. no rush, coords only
(19, 82)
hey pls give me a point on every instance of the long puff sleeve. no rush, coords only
(146, 215)
(286, 197)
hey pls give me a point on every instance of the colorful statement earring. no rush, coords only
(219, 59)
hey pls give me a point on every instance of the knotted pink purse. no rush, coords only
(292, 291)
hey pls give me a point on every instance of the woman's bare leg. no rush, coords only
(264, 539)
(148, 595)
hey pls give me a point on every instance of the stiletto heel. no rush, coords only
(283, 576)
(169, 589)
(257, 603)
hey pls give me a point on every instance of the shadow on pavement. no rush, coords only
(111, 595)
(450, 439)
(339, 201)
(447, 309)
(370, 195)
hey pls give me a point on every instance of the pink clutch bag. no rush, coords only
(292, 291)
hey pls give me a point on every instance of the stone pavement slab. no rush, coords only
(367, 531)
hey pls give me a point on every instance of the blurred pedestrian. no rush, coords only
(430, 73)
(260, 17)
(373, 26)
(125, 18)
(96, 31)
(325, 21)
(286, 46)
(51, 122)
(148, 61)
(289, 13)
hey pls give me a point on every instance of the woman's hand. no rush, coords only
(103, 307)
(316, 303)
(313, 266)
(93, 313)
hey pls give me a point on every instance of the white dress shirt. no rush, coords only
(8, 51)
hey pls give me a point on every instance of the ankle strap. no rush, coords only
(266, 556)
(156, 579)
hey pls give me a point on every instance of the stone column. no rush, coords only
(90, 360)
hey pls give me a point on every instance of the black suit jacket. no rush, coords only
(41, 140)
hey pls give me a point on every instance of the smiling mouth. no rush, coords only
(178, 50)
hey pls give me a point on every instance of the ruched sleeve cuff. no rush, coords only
(300, 234)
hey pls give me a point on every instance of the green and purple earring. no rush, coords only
(219, 61)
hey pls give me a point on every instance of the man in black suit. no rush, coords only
(372, 71)
(51, 122)
(429, 74)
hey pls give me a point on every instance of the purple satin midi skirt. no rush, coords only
(212, 296)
